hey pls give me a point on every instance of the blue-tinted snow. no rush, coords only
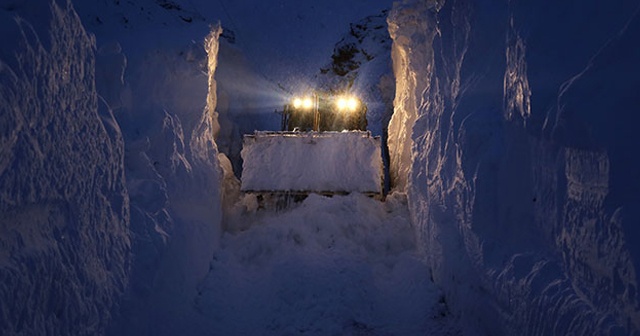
(514, 129)
(312, 162)
(512, 134)
(85, 251)
(65, 239)
(345, 265)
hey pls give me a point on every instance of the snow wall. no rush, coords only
(65, 243)
(513, 137)
(173, 177)
(165, 101)
(109, 178)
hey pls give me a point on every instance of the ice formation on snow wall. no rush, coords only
(513, 136)
(64, 209)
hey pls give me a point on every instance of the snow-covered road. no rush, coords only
(344, 265)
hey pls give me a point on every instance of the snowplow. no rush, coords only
(323, 147)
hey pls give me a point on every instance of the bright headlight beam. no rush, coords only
(341, 103)
(347, 103)
(352, 104)
(297, 103)
(307, 103)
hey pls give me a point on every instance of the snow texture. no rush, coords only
(65, 250)
(512, 136)
(345, 265)
(311, 161)
(174, 179)
(84, 251)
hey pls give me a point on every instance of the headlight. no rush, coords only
(297, 103)
(305, 103)
(353, 104)
(341, 104)
(347, 103)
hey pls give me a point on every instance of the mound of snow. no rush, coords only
(327, 161)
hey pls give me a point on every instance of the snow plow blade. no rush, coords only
(312, 162)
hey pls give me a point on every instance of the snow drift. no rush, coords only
(513, 137)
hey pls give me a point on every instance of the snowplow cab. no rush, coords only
(325, 113)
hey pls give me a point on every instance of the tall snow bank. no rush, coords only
(64, 209)
(407, 21)
(174, 178)
(513, 137)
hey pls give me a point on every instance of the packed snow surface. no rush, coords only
(312, 161)
(345, 265)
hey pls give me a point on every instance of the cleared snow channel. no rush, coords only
(344, 265)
